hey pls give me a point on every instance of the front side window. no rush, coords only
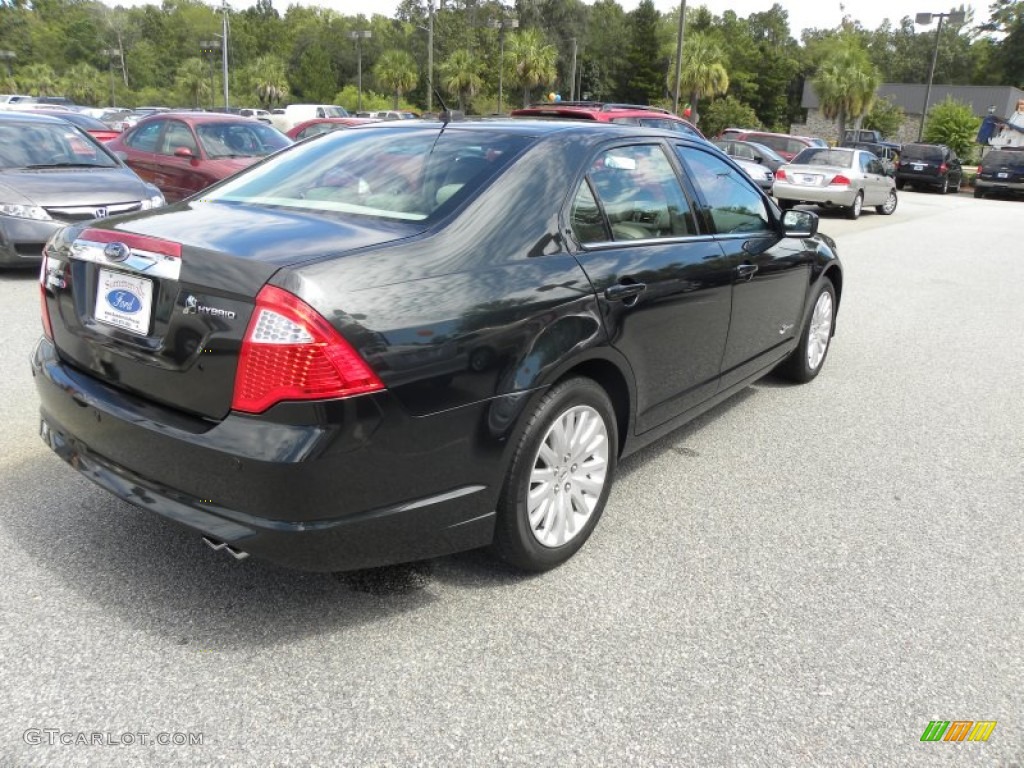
(639, 193)
(239, 139)
(177, 136)
(735, 205)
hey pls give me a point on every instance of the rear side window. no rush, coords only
(735, 205)
(639, 194)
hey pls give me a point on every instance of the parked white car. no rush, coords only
(15, 100)
(286, 119)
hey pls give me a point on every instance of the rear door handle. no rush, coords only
(746, 271)
(624, 291)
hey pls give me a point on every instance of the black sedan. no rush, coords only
(51, 174)
(402, 341)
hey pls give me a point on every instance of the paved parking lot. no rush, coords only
(805, 576)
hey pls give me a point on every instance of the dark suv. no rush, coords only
(622, 114)
(1001, 172)
(929, 165)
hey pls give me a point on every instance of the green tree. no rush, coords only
(531, 60)
(646, 66)
(846, 82)
(395, 71)
(38, 80)
(885, 116)
(269, 81)
(954, 124)
(84, 84)
(460, 74)
(703, 73)
(726, 113)
(193, 81)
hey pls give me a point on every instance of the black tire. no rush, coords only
(978, 193)
(900, 184)
(515, 540)
(885, 209)
(786, 204)
(853, 212)
(796, 367)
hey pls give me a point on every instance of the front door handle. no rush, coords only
(624, 291)
(746, 271)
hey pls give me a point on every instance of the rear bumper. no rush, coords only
(841, 196)
(368, 486)
(921, 179)
(1009, 187)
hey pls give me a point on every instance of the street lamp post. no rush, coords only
(111, 54)
(924, 19)
(679, 55)
(359, 36)
(501, 25)
(224, 49)
(430, 55)
(211, 47)
(7, 56)
(572, 76)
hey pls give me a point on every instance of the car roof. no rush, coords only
(51, 118)
(199, 117)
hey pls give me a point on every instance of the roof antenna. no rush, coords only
(446, 115)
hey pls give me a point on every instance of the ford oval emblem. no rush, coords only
(117, 252)
(124, 301)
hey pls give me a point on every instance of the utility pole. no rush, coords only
(501, 25)
(955, 17)
(111, 53)
(679, 54)
(572, 77)
(359, 36)
(224, 51)
(430, 55)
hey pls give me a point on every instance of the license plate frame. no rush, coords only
(124, 301)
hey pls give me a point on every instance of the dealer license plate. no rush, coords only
(124, 301)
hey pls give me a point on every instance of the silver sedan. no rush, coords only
(835, 177)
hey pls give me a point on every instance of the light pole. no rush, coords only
(501, 25)
(7, 56)
(679, 55)
(572, 77)
(359, 36)
(924, 19)
(224, 49)
(210, 47)
(430, 55)
(111, 54)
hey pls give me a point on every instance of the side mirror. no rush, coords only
(183, 152)
(799, 223)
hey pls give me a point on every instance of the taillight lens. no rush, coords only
(840, 181)
(780, 174)
(943, 168)
(43, 309)
(290, 352)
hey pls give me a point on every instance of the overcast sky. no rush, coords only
(802, 13)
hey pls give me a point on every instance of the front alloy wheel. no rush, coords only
(560, 477)
(806, 361)
(889, 206)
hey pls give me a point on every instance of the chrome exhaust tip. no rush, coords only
(219, 545)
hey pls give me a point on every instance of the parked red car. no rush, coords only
(319, 125)
(92, 126)
(601, 112)
(784, 144)
(185, 152)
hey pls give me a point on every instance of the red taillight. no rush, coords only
(780, 174)
(840, 181)
(43, 309)
(292, 353)
(943, 168)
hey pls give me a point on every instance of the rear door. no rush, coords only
(664, 286)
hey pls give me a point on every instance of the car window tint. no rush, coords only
(239, 139)
(144, 137)
(922, 152)
(640, 193)
(625, 120)
(843, 158)
(742, 150)
(735, 205)
(176, 136)
(588, 225)
(316, 129)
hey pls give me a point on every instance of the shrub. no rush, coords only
(952, 123)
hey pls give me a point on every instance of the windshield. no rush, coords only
(376, 172)
(43, 145)
(334, 111)
(239, 139)
(842, 158)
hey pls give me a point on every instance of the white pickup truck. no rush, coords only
(287, 118)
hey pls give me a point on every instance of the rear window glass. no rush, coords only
(1001, 157)
(378, 173)
(843, 158)
(921, 152)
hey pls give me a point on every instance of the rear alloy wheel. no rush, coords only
(806, 360)
(889, 206)
(560, 477)
(978, 193)
(853, 212)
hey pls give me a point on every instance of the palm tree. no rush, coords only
(460, 74)
(703, 72)
(846, 83)
(193, 80)
(38, 79)
(396, 71)
(270, 83)
(531, 60)
(84, 84)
